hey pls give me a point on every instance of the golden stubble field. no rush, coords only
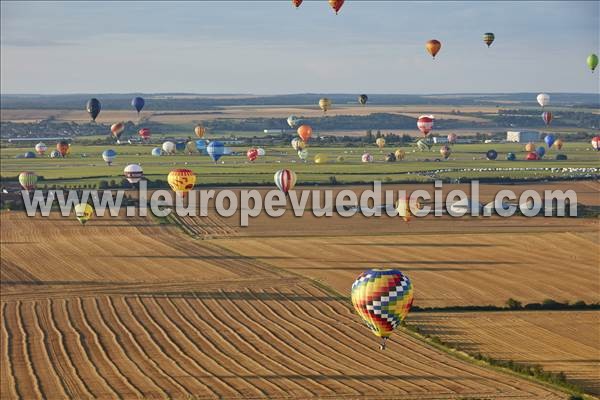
(131, 309)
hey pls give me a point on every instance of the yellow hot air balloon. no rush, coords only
(325, 104)
(181, 180)
(320, 159)
(199, 130)
(530, 147)
(83, 212)
(403, 208)
(399, 154)
(382, 298)
(380, 142)
(558, 144)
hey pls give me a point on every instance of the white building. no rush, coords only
(522, 136)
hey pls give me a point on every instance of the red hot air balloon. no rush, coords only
(252, 154)
(433, 47)
(336, 5)
(547, 117)
(425, 123)
(296, 3)
(596, 143)
(144, 133)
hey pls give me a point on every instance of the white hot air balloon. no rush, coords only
(133, 173)
(543, 99)
(168, 147)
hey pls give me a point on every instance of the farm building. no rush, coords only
(522, 136)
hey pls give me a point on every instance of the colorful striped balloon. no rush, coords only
(425, 124)
(285, 179)
(28, 180)
(382, 298)
(488, 38)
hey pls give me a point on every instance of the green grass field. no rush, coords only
(85, 165)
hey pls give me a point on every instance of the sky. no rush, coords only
(268, 47)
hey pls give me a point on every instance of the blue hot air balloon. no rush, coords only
(157, 151)
(138, 103)
(201, 145)
(540, 151)
(511, 157)
(180, 146)
(549, 139)
(215, 150)
(29, 154)
(491, 154)
(109, 155)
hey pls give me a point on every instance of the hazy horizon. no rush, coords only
(268, 47)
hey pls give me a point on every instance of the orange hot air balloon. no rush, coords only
(296, 3)
(336, 5)
(305, 132)
(530, 147)
(117, 129)
(558, 144)
(433, 47)
(63, 147)
(199, 130)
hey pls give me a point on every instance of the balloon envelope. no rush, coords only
(425, 123)
(144, 133)
(532, 156)
(549, 139)
(511, 156)
(321, 159)
(285, 179)
(305, 132)
(117, 129)
(547, 117)
(380, 142)
(540, 151)
(382, 298)
(399, 154)
(41, 148)
(138, 103)
(325, 104)
(168, 147)
(366, 158)
(27, 180)
(83, 212)
(491, 154)
(433, 46)
(252, 154)
(543, 99)
(215, 150)
(181, 180)
(297, 144)
(596, 143)
(336, 5)
(109, 155)
(200, 131)
(133, 173)
(93, 108)
(63, 147)
(592, 61)
(157, 151)
(363, 98)
(488, 38)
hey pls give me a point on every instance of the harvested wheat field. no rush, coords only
(557, 340)
(199, 322)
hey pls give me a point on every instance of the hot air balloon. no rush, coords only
(529, 147)
(488, 38)
(117, 129)
(422, 145)
(29, 154)
(138, 103)
(292, 121)
(93, 108)
(83, 212)
(168, 147)
(41, 148)
(445, 151)
(55, 154)
(63, 148)
(296, 3)
(157, 151)
(340, 159)
(325, 104)
(181, 180)
(540, 151)
(491, 155)
(252, 154)
(366, 158)
(547, 117)
(390, 157)
(144, 133)
(305, 132)
(28, 180)
(433, 47)
(303, 154)
(285, 180)
(543, 99)
(133, 173)
(380, 142)
(558, 144)
(561, 157)
(200, 131)
(532, 156)
(363, 98)
(108, 156)
(179, 146)
(190, 147)
(549, 139)
(452, 138)
(336, 5)
(215, 150)
(297, 144)
(321, 159)
(425, 123)
(403, 209)
(382, 298)
(399, 154)
(592, 62)
(511, 156)
(596, 143)
(261, 152)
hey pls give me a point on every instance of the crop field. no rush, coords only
(131, 309)
(557, 340)
(85, 164)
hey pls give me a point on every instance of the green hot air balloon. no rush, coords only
(488, 38)
(592, 61)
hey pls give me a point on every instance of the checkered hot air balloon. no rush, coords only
(285, 179)
(382, 298)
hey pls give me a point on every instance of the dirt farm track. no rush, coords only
(130, 309)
